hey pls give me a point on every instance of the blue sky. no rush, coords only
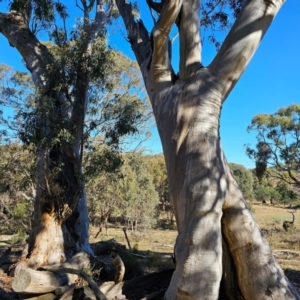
(271, 80)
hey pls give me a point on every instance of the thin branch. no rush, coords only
(152, 15)
(77, 5)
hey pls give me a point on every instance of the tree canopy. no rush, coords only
(244, 179)
(278, 144)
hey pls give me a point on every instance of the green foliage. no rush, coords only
(140, 199)
(216, 14)
(266, 194)
(44, 12)
(275, 191)
(21, 210)
(128, 192)
(244, 179)
(15, 89)
(278, 146)
(17, 184)
(17, 169)
(287, 195)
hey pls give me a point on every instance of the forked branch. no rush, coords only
(156, 6)
(242, 41)
(137, 33)
(160, 64)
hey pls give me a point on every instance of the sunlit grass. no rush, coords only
(269, 218)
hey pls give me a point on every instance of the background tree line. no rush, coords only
(134, 194)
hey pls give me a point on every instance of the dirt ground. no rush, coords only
(154, 243)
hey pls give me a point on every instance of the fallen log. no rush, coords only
(83, 293)
(5, 238)
(156, 295)
(92, 284)
(11, 256)
(105, 247)
(286, 251)
(38, 282)
(32, 281)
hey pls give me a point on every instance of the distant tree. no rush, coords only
(157, 168)
(270, 189)
(244, 179)
(139, 197)
(17, 188)
(127, 191)
(287, 195)
(277, 150)
(104, 197)
(265, 193)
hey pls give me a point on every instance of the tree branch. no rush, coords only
(242, 41)
(138, 35)
(156, 6)
(36, 55)
(82, 83)
(160, 65)
(189, 36)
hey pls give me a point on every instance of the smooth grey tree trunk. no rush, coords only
(218, 237)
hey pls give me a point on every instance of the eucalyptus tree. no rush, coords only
(218, 237)
(17, 188)
(139, 199)
(157, 168)
(244, 179)
(70, 73)
(277, 150)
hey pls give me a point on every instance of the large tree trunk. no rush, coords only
(218, 239)
(60, 220)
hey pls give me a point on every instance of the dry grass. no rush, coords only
(161, 241)
(269, 218)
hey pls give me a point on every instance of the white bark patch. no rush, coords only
(82, 225)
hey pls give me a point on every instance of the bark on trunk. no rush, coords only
(198, 188)
(60, 222)
(60, 217)
(257, 270)
(208, 204)
(46, 243)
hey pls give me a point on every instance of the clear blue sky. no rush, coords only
(271, 81)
